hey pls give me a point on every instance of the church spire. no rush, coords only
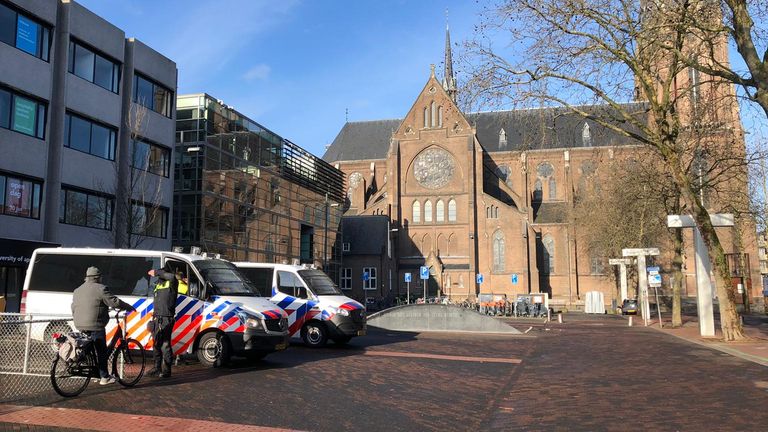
(449, 82)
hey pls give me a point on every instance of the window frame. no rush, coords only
(36, 193)
(116, 65)
(169, 102)
(112, 150)
(416, 211)
(345, 278)
(109, 209)
(151, 144)
(164, 221)
(43, 38)
(452, 210)
(370, 284)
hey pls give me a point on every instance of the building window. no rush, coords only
(502, 138)
(345, 247)
(91, 66)
(370, 284)
(426, 117)
(537, 191)
(440, 211)
(25, 33)
(416, 212)
(694, 75)
(89, 137)
(20, 196)
(433, 114)
(452, 211)
(148, 219)
(552, 188)
(152, 95)
(86, 208)
(586, 136)
(428, 211)
(498, 252)
(346, 278)
(22, 114)
(151, 157)
(549, 254)
(597, 267)
(439, 116)
(308, 214)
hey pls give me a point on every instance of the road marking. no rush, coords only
(443, 357)
(108, 421)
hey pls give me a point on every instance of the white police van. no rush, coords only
(221, 314)
(316, 308)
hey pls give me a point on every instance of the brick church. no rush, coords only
(484, 193)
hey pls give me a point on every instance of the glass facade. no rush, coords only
(250, 195)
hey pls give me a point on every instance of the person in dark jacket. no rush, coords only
(90, 309)
(166, 290)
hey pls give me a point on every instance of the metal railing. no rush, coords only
(26, 353)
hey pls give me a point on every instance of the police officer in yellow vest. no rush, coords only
(183, 283)
(164, 313)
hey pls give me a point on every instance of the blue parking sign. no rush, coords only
(407, 277)
(514, 279)
(424, 272)
(479, 278)
(366, 276)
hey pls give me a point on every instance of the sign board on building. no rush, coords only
(424, 272)
(479, 278)
(407, 277)
(514, 278)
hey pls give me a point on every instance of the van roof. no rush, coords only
(246, 264)
(118, 252)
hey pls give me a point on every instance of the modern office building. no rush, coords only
(86, 135)
(248, 194)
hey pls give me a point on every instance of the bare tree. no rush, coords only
(575, 53)
(138, 196)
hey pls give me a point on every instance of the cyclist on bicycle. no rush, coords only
(90, 308)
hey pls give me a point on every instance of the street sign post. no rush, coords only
(642, 276)
(366, 277)
(408, 288)
(622, 263)
(424, 274)
(705, 290)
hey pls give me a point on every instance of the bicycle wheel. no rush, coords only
(128, 362)
(71, 378)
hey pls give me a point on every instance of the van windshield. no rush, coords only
(319, 282)
(225, 278)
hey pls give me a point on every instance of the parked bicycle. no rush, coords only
(71, 375)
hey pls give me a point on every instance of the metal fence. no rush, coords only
(26, 354)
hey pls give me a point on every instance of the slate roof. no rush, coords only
(527, 129)
(366, 235)
(550, 212)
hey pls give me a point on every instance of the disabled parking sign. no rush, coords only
(514, 279)
(407, 277)
(479, 278)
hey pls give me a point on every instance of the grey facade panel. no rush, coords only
(92, 101)
(88, 171)
(22, 154)
(24, 72)
(23, 228)
(154, 65)
(95, 31)
(366, 235)
(43, 10)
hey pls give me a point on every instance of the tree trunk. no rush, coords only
(730, 321)
(679, 278)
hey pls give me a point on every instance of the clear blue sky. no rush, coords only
(295, 66)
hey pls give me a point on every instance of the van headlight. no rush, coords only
(342, 312)
(250, 321)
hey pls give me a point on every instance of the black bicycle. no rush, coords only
(70, 376)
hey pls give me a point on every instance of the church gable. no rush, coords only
(433, 110)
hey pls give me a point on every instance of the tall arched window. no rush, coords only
(434, 114)
(439, 116)
(416, 211)
(537, 195)
(428, 211)
(586, 136)
(498, 252)
(452, 211)
(549, 257)
(440, 211)
(426, 117)
(552, 188)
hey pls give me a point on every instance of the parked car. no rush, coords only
(629, 307)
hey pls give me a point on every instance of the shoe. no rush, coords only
(164, 375)
(107, 380)
(153, 372)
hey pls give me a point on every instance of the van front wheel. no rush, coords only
(314, 334)
(213, 350)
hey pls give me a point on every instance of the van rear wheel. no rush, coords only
(213, 350)
(314, 334)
